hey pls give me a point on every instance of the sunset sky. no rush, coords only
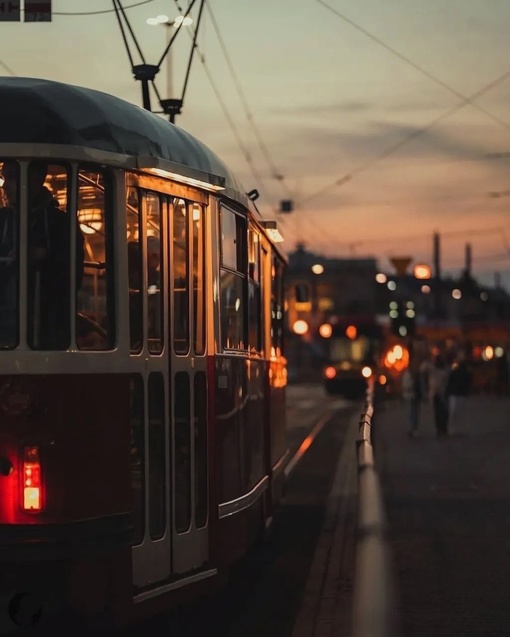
(405, 99)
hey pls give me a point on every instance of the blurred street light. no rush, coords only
(421, 271)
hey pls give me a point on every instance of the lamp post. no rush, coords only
(171, 105)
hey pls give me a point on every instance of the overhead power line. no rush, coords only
(416, 133)
(244, 150)
(389, 151)
(7, 68)
(276, 174)
(415, 66)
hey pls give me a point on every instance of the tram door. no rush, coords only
(188, 373)
(169, 391)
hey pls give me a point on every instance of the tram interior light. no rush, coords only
(90, 220)
(183, 179)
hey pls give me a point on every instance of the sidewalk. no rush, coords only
(448, 508)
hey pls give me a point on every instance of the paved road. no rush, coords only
(448, 508)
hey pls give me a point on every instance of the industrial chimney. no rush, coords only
(437, 259)
(469, 260)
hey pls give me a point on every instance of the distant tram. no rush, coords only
(357, 349)
(142, 378)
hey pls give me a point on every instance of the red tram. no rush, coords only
(142, 378)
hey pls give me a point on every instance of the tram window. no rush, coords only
(254, 325)
(49, 257)
(95, 325)
(134, 270)
(137, 457)
(233, 283)
(200, 430)
(232, 310)
(180, 305)
(182, 453)
(154, 256)
(233, 240)
(198, 279)
(9, 251)
(276, 306)
(157, 471)
(253, 255)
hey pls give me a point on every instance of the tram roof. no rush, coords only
(39, 111)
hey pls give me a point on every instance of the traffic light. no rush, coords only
(403, 318)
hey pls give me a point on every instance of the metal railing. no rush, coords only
(374, 608)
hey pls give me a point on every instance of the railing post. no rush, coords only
(374, 608)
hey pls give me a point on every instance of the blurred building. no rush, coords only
(445, 309)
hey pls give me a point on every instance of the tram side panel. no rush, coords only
(240, 462)
(76, 536)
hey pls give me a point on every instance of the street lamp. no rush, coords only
(170, 24)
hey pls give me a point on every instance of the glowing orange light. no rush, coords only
(300, 327)
(382, 379)
(31, 479)
(325, 330)
(351, 332)
(422, 271)
(306, 444)
(330, 372)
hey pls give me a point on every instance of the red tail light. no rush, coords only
(32, 487)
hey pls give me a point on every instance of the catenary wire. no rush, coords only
(410, 62)
(7, 68)
(416, 133)
(249, 115)
(244, 150)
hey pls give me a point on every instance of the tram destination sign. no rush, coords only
(37, 11)
(9, 11)
(33, 10)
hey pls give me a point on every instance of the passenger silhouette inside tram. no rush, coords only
(8, 260)
(48, 267)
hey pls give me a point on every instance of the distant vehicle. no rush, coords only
(356, 349)
(142, 412)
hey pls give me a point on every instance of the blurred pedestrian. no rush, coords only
(457, 390)
(412, 395)
(438, 381)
